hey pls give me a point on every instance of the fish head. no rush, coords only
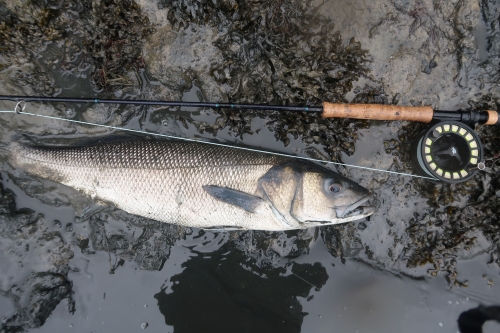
(327, 197)
(313, 195)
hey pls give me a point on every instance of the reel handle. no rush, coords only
(423, 114)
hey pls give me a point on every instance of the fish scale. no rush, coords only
(167, 181)
(158, 180)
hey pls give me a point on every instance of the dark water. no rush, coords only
(428, 254)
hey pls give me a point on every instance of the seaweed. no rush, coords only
(279, 52)
(105, 36)
(115, 44)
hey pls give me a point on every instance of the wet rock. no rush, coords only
(284, 58)
(27, 238)
(362, 226)
(152, 263)
(105, 44)
(69, 227)
(428, 66)
(271, 52)
(36, 299)
(342, 241)
(118, 242)
(149, 247)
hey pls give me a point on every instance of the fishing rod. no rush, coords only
(449, 151)
(423, 114)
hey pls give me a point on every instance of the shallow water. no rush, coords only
(429, 253)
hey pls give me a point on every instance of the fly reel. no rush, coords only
(449, 151)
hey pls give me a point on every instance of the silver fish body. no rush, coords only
(201, 185)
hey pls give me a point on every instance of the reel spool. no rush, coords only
(449, 151)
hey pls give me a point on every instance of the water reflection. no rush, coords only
(472, 321)
(224, 291)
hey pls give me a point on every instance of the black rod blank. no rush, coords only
(468, 117)
(165, 103)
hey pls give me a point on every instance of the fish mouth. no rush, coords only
(356, 209)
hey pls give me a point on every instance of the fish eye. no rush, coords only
(334, 187)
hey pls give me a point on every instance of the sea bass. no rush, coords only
(201, 185)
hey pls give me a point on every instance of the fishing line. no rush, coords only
(19, 109)
(21, 105)
(290, 271)
(275, 261)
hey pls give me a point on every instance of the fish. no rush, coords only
(195, 184)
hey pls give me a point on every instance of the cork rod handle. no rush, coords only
(378, 112)
(492, 118)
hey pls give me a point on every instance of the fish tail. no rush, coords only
(7, 146)
(15, 149)
(30, 158)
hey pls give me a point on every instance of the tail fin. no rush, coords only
(17, 141)
(21, 139)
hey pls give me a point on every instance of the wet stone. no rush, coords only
(152, 263)
(342, 241)
(37, 298)
(428, 66)
(288, 75)
(362, 226)
(83, 244)
(117, 242)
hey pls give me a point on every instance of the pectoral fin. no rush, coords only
(243, 200)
